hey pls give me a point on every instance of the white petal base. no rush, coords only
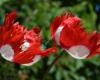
(57, 34)
(25, 45)
(79, 51)
(35, 59)
(7, 52)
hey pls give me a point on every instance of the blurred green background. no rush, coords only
(41, 12)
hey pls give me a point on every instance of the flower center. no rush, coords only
(57, 34)
(25, 46)
(79, 51)
(7, 52)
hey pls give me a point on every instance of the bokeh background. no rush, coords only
(41, 12)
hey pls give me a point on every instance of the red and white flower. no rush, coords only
(67, 31)
(31, 48)
(12, 35)
(19, 45)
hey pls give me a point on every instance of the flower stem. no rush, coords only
(53, 63)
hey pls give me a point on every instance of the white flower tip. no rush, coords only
(79, 51)
(35, 59)
(7, 52)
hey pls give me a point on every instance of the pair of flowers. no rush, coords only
(23, 46)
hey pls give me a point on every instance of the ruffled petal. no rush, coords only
(9, 19)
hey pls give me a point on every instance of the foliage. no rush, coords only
(41, 13)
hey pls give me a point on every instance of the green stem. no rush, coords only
(52, 64)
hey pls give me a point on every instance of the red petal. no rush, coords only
(54, 25)
(9, 19)
(70, 36)
(47, 51)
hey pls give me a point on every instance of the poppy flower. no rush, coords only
(31, 48)
(20, 45)
(12, 35)
(69, 33)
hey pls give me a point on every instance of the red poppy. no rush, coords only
(31, 48)
(12, 35)
(19, 45)
(69, 33)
